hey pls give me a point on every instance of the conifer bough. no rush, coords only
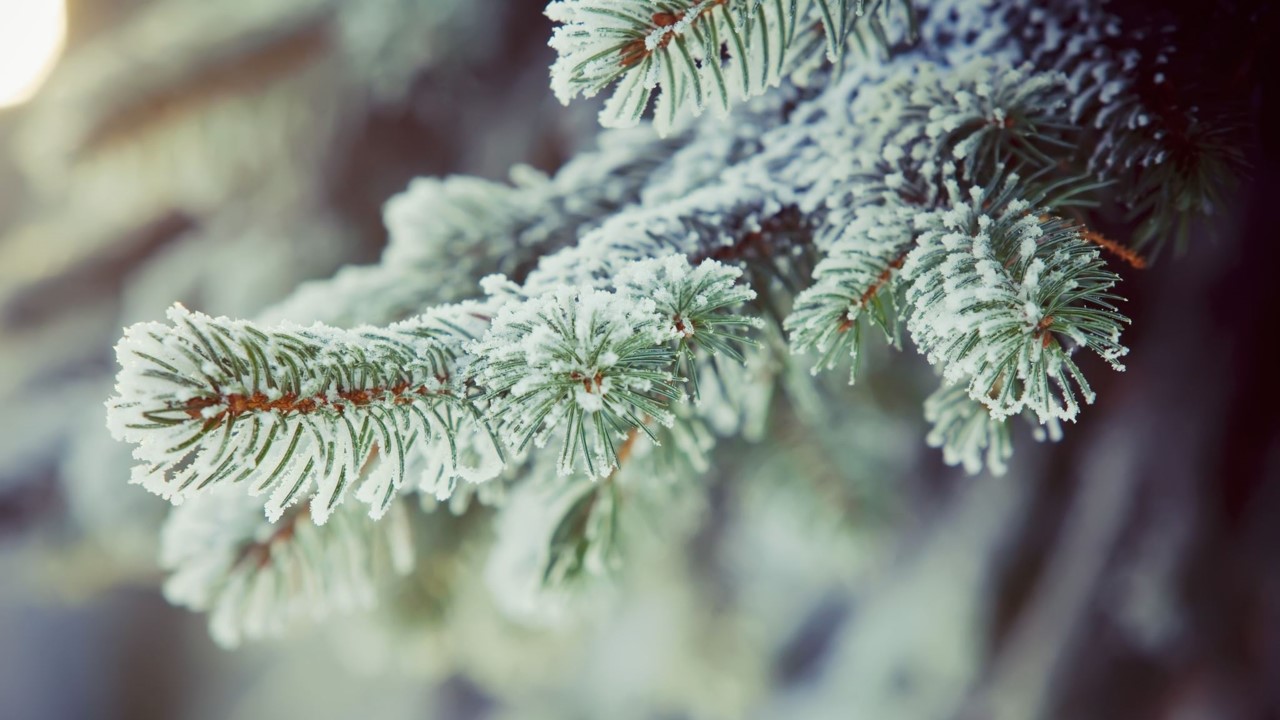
(933, 170)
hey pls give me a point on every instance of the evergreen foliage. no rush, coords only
(700, 54)
(256, 578)
(292, 411)
(648, 296)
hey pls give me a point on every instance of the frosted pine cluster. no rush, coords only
(924, 169)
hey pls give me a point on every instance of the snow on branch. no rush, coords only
(697, 53)
(292, 411)
(853, 285)
(696, 302)
(585, 362)
(967, 433)
(445, 234)
(678, 46)
(592, 365)
(1002, 294)
(925, 195)
(985, 117)
(256, 579)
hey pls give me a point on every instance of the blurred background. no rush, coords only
(219, 154)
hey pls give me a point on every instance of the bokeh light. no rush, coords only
(32, 33)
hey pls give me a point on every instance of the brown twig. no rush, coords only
(628, 445)
(1126, 254)
(881, 280)
(637, 50)
(259, 551)
(236, 404)
(1042, 330)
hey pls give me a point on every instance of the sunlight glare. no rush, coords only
(32, 33)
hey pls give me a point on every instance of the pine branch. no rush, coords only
(291, 411)
(987, 118)
(586, 538)
(447, 234)
(729, 221)
(999, 296)
(840, 21)
(558, 534)
(697, 303)
(552, 532)
(675, 45)
(853, 285)
(923, 195)
(256, 579)
(695, 52)
(966, 432)
(1128, 255)
(586, 363)
(1171, 157)
(1192, 174)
